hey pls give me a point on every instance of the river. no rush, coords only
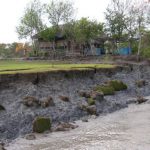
(127, 129)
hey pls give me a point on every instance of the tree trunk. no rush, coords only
(139, 49)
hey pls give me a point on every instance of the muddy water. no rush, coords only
(128, 129)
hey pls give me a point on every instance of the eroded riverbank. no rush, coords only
(127, 129)
(17, 119)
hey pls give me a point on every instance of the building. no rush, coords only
(63, 46)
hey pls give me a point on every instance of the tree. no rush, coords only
(141, 10)
(136, 22)
(131, 25)
(86, 30)
(60, 12)
(48, 34)
(126, 19)
(31, 22)
(83, 31)
(115, 16)
(8, 50)
(69, 32)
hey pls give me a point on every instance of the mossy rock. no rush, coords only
(41, 124)
(117, 85)
(64, 98)
(106, 89)
(92, 110)
(140, 83)
(84, 94)
(2, 108)
(141, 100)
(30, 101)
(83, 107)
(98, 96)
(47, 102)
(91, 101)
(2, 146)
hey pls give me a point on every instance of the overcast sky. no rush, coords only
(12, 10)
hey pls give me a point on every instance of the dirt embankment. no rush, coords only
(17, 118)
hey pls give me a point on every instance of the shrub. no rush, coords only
(117, 85)
(146, 52)
(41, 124)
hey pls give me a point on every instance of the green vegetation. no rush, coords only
(126, 26)
(13, 67)
(91, 101)
(41, 125)
(117, 85)
(106, 89)
(110, 87)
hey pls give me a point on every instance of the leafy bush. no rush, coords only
(146, 52)
(124, 44)
(134, 47)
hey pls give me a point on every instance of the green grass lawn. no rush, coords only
(12, 67)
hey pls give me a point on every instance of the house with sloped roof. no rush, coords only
(62, 46)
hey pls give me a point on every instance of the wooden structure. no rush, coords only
(69, 47)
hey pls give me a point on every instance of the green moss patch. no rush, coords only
(41, 124)
(117, 85)
(106, 89)
(91, 101)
